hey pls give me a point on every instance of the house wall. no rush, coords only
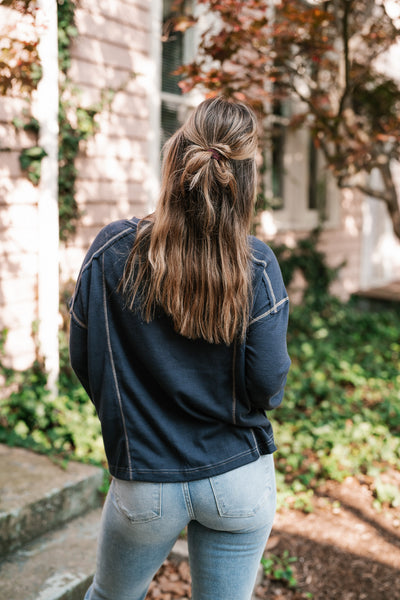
(380, 255)
(341, 243)
(116, 168)
(18, 224)
(344, 244)
(18, 241)
(113, 50)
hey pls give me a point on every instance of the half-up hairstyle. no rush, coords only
(191, 256)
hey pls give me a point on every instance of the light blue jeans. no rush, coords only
(229, 518)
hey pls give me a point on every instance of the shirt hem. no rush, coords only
(191, 474)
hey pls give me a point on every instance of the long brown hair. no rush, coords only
(191, 256)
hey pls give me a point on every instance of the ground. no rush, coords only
(345, 550)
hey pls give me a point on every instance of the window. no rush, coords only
(172, 52)
(302, 190)
(177, 48)
(168, 107)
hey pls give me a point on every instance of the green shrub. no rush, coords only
(341, 411)
(65, 425)
(279, 568)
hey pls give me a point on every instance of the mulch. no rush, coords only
(172, 582)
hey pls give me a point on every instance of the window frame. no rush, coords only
(294, 212)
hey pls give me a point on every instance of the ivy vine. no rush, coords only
(30, 159)
(70, 135)
(72, 132)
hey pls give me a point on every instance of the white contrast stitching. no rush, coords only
(84, 267)
(194, 469)
(254, 437)
(78, 320)
(109, 242)
(113, 366)
(259, 261)
(270, 287)
(273, 309)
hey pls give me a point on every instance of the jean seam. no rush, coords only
(188, 500)
(272, 310)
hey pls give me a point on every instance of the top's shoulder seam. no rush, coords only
(109, 243)
(259, 261)
(272, 310)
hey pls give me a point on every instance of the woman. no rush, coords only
(178, 334)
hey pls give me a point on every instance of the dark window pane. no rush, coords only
(172, 52)
(172, 58)
(169, 121)
(278, 154)
(316, 181)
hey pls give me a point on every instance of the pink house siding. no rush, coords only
(111, 52)
(18, 241)
(113, 43)
(344, 244)
(341, 243)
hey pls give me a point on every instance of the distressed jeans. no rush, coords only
(228, 517)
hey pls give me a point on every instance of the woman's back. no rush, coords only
(173, 408)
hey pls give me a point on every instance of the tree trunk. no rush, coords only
(392, 201)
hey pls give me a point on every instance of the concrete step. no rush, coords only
(37, 495)
(56, 566)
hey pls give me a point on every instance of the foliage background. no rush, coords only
(340, 415)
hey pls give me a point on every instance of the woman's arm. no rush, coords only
(78, 352)
(267, 359)
(78, 342)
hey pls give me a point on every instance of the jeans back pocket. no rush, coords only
(139, 501)
(242, 491)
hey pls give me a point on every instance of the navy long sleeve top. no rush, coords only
(171, 408)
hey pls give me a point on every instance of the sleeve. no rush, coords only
(78, 348)
(78, 340)
(266, 358)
